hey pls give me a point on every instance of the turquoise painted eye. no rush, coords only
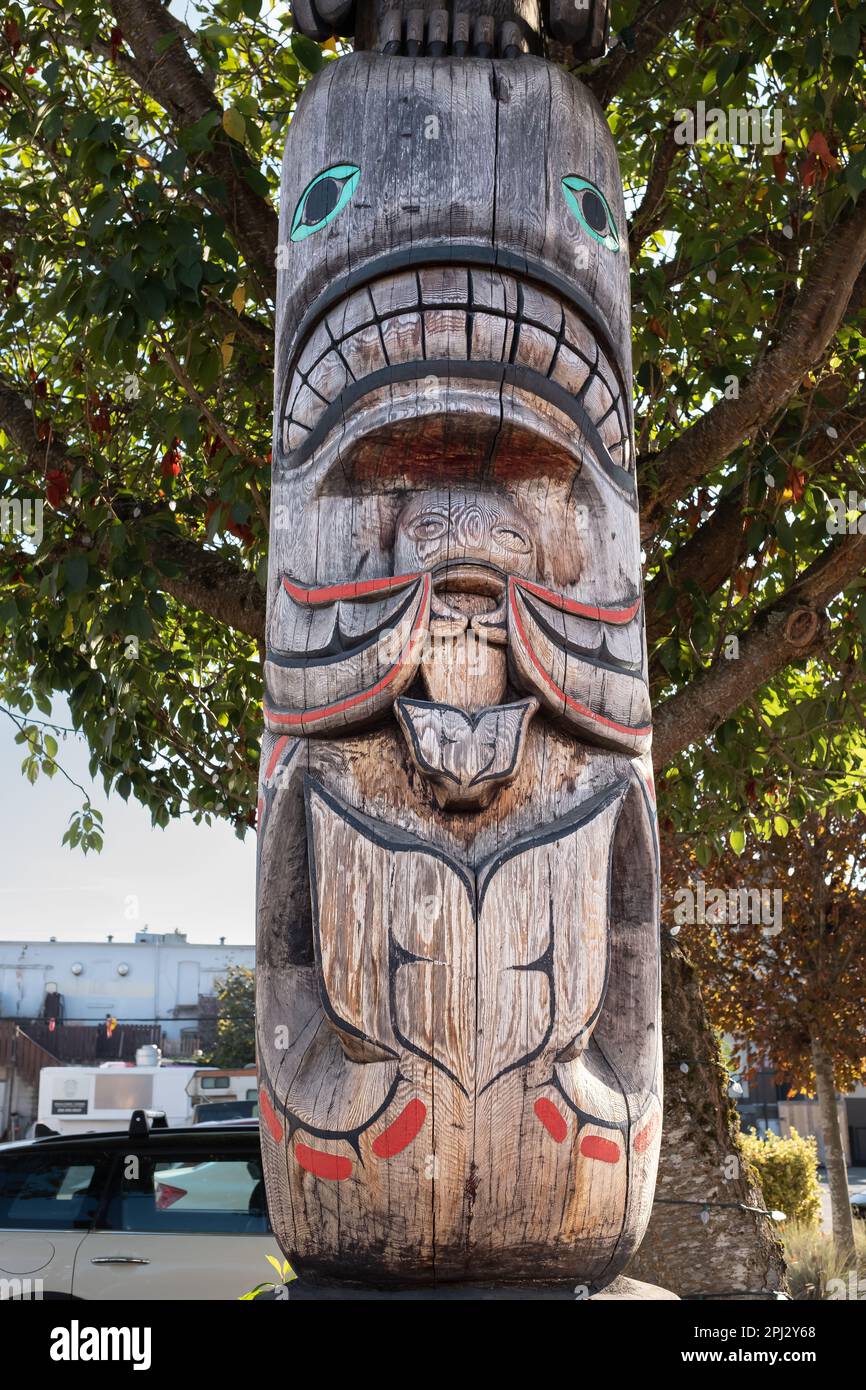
(322, 199)
(591, 209)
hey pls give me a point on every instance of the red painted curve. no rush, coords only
(402, 1131)
(552, 1119)
(300, 718)
(333, 1167)
(593, 1146)
(270, 1117)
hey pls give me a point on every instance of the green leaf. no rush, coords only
(845, 37)
(308, 53)
(75, 572)
(737, 840)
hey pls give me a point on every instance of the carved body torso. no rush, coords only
(458, 917)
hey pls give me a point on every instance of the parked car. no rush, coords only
(150, 1213)
(858, 1205)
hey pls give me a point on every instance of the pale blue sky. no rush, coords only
(199, 879)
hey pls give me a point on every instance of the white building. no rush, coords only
(153, 979)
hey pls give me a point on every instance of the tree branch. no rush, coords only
(705, 560)
(811, 324)
(174, 80)
(653, 22)
(19, 422)
(208, 581)
(648, 217)
(791, 629)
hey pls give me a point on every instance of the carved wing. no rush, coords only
(543, 939)
(339, 655)
(399, 956)
(586, 664)
(393, 923)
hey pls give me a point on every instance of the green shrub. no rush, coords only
(787, 1172)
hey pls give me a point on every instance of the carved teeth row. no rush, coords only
(455, 315)
(449, 622)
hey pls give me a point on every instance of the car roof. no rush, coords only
(235, 1132)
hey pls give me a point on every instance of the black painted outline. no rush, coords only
(272, 707)
(599, 656)
(338, 649)
(428, 254)
(294, 1123)
(574, 819)
(544, 965)
(516, 374)
(395, 839)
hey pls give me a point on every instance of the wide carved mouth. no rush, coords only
(471, 365)
(467, 594)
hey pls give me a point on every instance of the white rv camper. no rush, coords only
(73, 1100)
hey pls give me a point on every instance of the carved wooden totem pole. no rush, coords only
(458, 992)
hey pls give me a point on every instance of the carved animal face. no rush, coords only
(445, 316)
(454, 382)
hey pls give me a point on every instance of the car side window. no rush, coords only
(201, 1193)
(49, 1192)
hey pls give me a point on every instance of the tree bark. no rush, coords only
(834, 1154)
(717, 1250)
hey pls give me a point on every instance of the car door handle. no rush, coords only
(118, 1260)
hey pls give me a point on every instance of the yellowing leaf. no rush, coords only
(239, 298)
(234, 124)
(142, 161)
(271, 1259)
(226, 348)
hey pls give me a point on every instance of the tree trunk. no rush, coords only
(834, 1154)
(717, 1249)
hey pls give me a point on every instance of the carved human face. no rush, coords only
(454, 385)
(444, 531)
